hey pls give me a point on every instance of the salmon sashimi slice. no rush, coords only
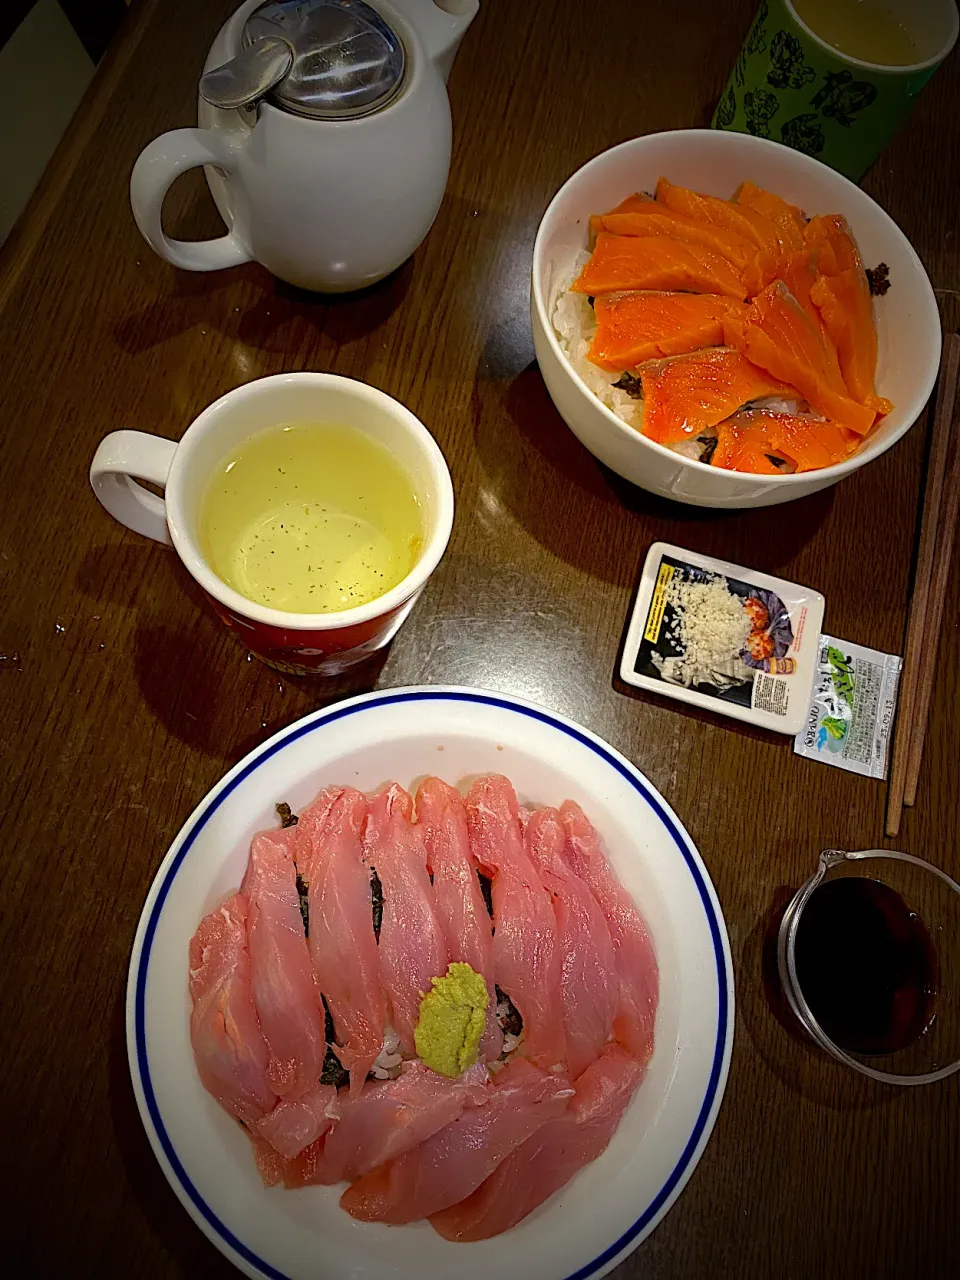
(412, 946)
(777, 335)
(787, 217)
(746, 441)
(342, 943)
(450, 1165)
(293, 1125)
(656, 262)
(636, 961)
(390, 1118)
(846, 308)
(526, 958)
(550, 1158)
(231, 1054)
(682, 396)
(457, 897)
(830, 236)
(799, 273)
(588, 978)
(635, 327)
(284, 991)
(648, 218)
(736, 218)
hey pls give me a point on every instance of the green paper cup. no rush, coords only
(793, 86)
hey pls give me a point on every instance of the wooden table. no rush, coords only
(124, 699)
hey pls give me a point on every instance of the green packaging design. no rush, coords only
(854, 699)
(792, 87)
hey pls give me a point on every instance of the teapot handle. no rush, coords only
(157, 166)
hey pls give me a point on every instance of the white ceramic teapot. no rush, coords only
(325, 135)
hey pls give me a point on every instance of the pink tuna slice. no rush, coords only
(589, 985)
(342, 943)
(550, 1158)
(412, 946)
(391, 1117)
(307, 834)
(526, 959)
(228, 1045)
(453, 1163)
(284, 992)
(457, 898)
(636, 961)
(293, 1125)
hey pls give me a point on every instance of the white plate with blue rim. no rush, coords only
(402, 735)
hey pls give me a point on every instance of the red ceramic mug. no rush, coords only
(302, 643)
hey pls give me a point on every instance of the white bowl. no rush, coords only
(403, 734)
(716, 162)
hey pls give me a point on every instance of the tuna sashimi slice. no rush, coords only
(550, 1158)
(746, 441)
(777, 334)
(588, 979)
(389, 1118)
(457, 898)
(687, 394)
(343, 946)
(656, 262)
(293, 1125)
(451, 1164)
(634, 327)
(308, 831)
(412, 946)
(284, 991)
(526, 958)
(846, 310)
(636, 961)
(231, 1054)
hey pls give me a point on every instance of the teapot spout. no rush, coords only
(440, 24)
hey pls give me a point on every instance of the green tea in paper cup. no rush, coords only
(835, 78)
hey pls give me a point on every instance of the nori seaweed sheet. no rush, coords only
(486, 888)
(304, 905)
(376, 901)
(286, 816)
(333, 1071)
(512, 1023)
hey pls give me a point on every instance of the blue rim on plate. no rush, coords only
(138, 978)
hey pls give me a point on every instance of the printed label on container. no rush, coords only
(712, 633)
(854, 698)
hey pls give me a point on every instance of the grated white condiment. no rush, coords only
(710, 626)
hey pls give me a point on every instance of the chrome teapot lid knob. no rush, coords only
(342, 60)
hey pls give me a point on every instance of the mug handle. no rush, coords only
(157, 166)
(123, 455)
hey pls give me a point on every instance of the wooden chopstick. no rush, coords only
(946, 534)
(919, 642)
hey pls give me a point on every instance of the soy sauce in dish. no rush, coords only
(866, 966)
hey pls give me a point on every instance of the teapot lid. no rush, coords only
(327, 59)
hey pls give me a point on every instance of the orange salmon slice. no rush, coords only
(635, 327)
(656, 262)
(787, 217)
(648, 218)
(746, 441)
(683, 396)
(776, 334)
(846, 310)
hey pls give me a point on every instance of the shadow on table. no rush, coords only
(786, 1049)
(194, 675)
(527, 450)
(222, 301)
(167, 1219)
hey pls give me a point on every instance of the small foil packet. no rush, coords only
(851, 712)
(719, 636)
